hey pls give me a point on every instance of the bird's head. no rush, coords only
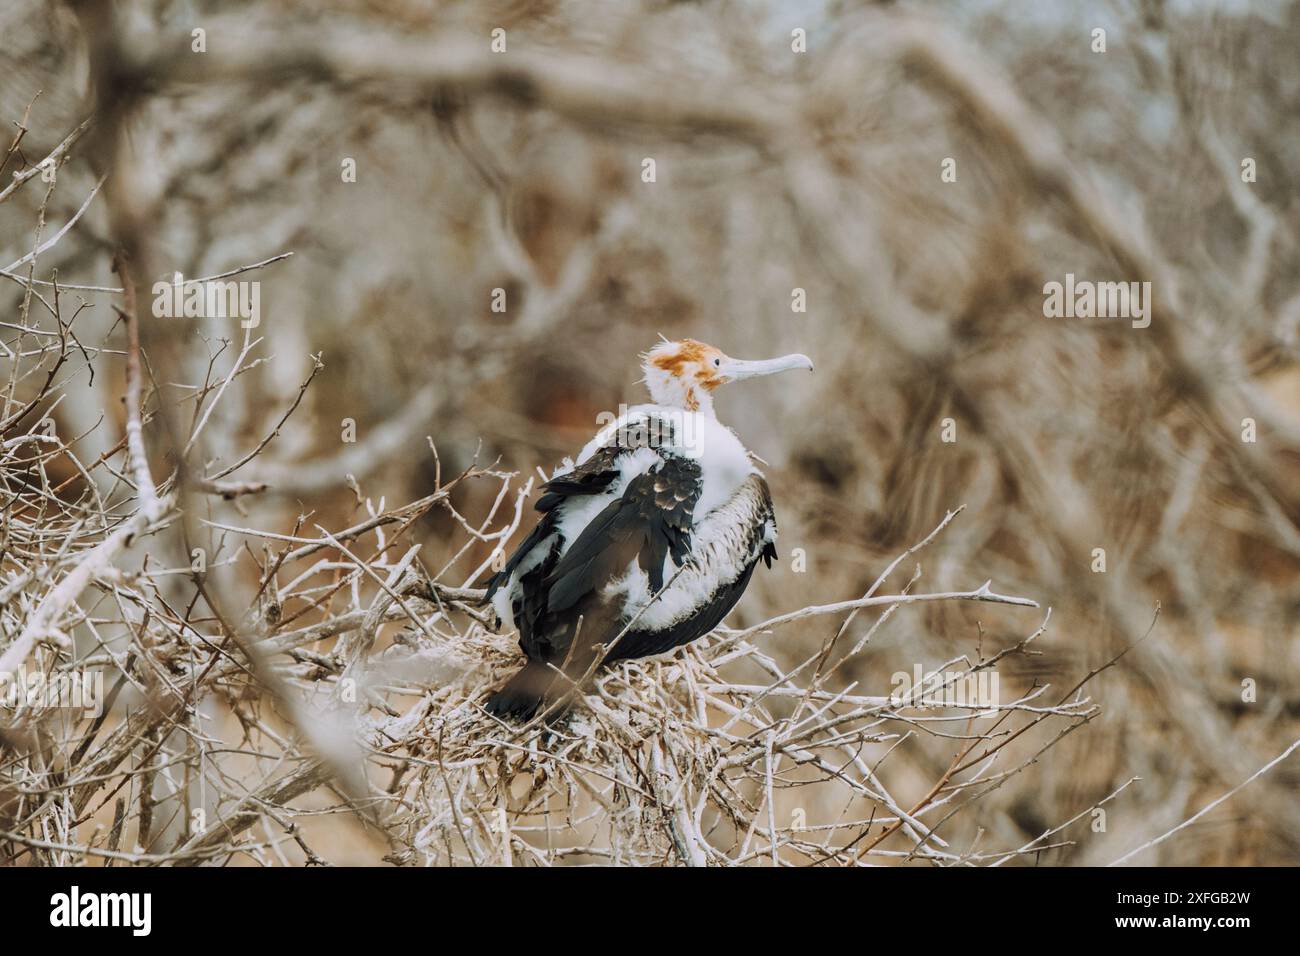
(683, 374)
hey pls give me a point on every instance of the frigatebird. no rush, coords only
(646, 541)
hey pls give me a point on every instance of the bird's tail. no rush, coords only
(522, 695)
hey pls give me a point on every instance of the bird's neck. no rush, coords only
(698, 400)
(688, 396)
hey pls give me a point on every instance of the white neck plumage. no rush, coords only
(675, 391)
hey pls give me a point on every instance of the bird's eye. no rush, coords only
(717, 362)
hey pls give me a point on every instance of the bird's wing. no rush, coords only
(573, 501)
(589, 478)
(649, 522)
(592, 476)
(749, 522)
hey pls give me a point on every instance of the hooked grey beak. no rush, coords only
(737, 369)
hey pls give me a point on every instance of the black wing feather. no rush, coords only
(533, 538)
(590, 478)
(651, 521)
